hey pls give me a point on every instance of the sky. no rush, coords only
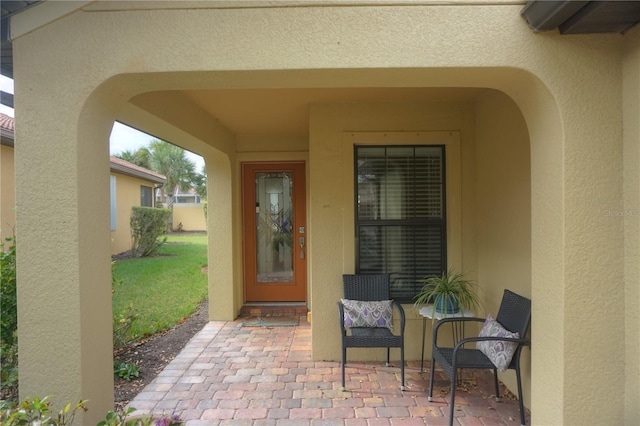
(123, 138)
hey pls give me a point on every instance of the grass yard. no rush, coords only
(164, 289)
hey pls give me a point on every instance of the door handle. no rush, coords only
(301, 242)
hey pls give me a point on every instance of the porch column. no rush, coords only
(63, 259)
(578, 261)
(224, 297)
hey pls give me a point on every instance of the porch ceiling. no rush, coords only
(286, 111)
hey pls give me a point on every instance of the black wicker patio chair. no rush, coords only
(514, 316)
(366, 317)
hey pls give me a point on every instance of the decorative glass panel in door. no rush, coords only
(274, 233)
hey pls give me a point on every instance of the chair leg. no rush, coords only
(453, 396)
(388, 358)
(402, 367)
(433, 369)
(344, 360)
(521, 403)
(495, 383)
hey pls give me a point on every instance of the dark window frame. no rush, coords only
(149, 197)
(418, 232)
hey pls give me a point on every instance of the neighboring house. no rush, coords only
(130, 185)
(344, 137)
(188, 211)
(7, 178)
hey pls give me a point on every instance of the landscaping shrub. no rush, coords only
(122, 323)
(8, 301)
(125, 370)
(148, 224)
(8, 322)
(35, 411)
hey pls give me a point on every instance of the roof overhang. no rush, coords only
(582, 17)
(6, 137)
(120, 166)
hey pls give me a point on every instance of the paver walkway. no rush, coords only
(234, 375)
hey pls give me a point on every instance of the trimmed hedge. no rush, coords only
(148, 224)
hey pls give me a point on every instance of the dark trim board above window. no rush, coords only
(400, 213)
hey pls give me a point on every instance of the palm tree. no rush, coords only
(140, 157)
(200, 183)
(171, 161)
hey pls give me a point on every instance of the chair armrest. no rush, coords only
(520, 341)
(401, 314)
(443, 321)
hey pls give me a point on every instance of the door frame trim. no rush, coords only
(266, 164)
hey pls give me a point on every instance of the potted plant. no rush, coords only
(448, 293)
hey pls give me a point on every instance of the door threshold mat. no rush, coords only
(271, 322)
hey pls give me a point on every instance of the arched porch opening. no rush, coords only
(170, 114)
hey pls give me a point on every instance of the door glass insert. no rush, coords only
(274, 226)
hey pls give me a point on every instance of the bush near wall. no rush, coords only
(8, 321)
(148, 224)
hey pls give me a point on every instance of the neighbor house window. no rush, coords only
(112, 198)
(146, 199)
(400, 214)
(187, 199)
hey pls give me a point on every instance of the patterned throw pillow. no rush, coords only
(498, 351)
(358, 313)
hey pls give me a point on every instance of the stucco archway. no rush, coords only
(133, 111)
(63, 130)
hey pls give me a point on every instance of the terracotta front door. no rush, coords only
(274, 227)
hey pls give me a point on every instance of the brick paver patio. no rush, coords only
(234, 375)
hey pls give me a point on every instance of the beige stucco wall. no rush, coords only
(127, 196)
(567, 89)
(191, 215)
(334, 130)
(8, 191)
(503, 221)
(630, 217)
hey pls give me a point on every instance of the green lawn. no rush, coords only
(164, 289)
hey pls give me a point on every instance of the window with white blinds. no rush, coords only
(400, 214)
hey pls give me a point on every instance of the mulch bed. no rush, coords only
(151, 355)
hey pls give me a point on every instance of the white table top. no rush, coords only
(429, 311)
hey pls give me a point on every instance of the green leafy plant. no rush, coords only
(9, 372)
(451, 291)
(148, 224)
(37, 412)
(120, 417)
(8, 321)
(8, 301)
(125, 370)
(122, 323)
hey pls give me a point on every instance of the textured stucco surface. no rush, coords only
(567, 89)
(504, 208)
(631, 219)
